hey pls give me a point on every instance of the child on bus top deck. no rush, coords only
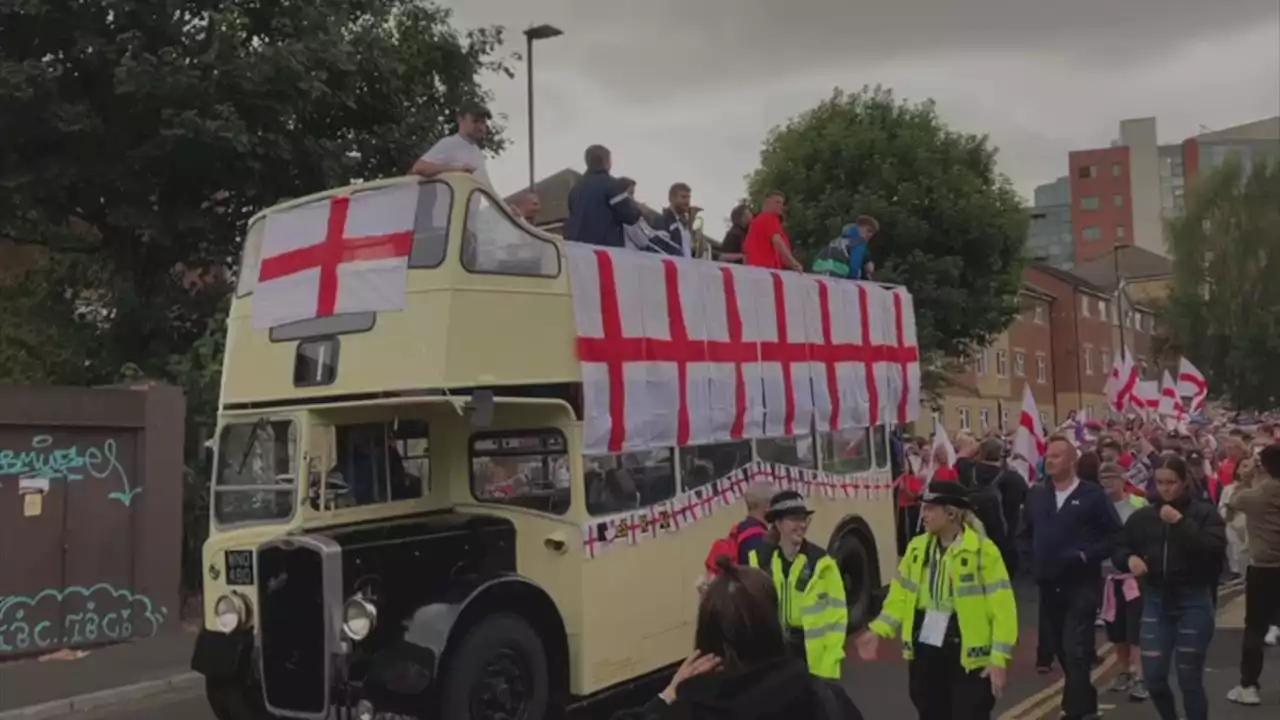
(848, 256)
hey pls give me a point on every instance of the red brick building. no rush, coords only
(1081, 331)
(1101, 201)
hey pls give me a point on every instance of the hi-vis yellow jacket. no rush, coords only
(811, 598)
(982, 600)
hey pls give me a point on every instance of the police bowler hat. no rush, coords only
(787, 503)
(946, 492)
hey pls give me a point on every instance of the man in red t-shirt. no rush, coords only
(767, 244)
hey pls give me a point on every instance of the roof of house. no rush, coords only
(1265, 129)
(1033, 289)
(1070, 278)
(1135, 263)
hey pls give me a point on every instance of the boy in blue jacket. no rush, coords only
(1071, 528)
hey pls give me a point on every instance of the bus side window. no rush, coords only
(796, 451)
(618, 483)
(700, 464)
(880, 446)
(378, 463)
(494, 244)
(525, 468)
(846, 451)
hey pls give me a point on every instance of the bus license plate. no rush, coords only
(240, 567)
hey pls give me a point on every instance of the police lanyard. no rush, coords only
(939, 578)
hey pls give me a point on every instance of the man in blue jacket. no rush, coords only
(1071, 528)
(600, 204)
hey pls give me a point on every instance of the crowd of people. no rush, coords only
(1125, 524)
(603, 211)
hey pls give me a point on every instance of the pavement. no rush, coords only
(151, 681)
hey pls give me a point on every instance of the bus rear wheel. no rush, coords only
(499, 672)
(853, 554)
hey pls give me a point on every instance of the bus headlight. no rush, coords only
(230, 612)
(359, 617)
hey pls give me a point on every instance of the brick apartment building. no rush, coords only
(1061, 344)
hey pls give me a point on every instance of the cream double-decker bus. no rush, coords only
(467, 470)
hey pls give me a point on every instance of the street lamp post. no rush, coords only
(536, 32)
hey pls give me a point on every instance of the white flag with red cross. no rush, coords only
(677, 351)
(1191, 383)
(346, 254)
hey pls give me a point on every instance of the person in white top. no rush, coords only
(460, 152)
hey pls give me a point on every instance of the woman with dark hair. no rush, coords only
(739, 221)
(741, 669)
(1088, 465)
(1174, 546)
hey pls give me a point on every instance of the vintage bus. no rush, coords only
(464, 469)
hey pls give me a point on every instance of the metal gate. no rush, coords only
(90, 515)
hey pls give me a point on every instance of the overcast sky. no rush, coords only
(687, 89)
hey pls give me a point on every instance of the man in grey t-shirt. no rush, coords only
(460, 152)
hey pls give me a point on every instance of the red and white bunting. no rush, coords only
(676, 351)
(686, 509)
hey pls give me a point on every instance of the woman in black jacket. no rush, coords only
(741, 670)
(1175, 547)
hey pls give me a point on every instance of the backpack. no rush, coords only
(728, 547)
(988, 505)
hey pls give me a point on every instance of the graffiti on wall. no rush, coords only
(70, 463)
(67, 617)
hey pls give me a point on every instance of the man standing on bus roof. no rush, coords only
(600, 205)
(460, 152)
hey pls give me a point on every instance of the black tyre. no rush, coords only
(857, 564)
(235, 698)
(499, 672)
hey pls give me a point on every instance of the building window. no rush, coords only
(1128, 319)
(1002, 363)
(1102, 309)
(1089, 203)
(1039, 316)
(1088, 411)
(1093, 232)
(1116, 171)
(1044, 419)
(984, 417)
(1004, 418)
(1119, 232)
(1042, 370)
(1019, 364)
(980, 366)
(1117, 200)
(1105, 358)
(1084, 306)
(965, 418)
(1088, 359)
(1087, 171)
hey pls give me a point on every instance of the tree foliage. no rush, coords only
(138, 136)
(1224, 308)
(951, 228)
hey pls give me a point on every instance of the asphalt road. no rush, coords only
(880, 688)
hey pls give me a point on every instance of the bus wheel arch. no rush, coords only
(853, 546)
(517, 598)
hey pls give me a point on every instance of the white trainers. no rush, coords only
(1273, 635)
(1244, 696)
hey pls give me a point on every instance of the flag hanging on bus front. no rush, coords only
(345, 254)
(676, 351)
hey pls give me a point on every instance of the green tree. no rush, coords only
(1223, 311)
(951, 228)
(138, 136)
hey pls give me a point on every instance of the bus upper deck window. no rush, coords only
(316, 363)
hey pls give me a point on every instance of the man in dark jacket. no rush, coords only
(997, 498)
(675, 221)
(1175, 546)
(599, 205)
(1071, 528)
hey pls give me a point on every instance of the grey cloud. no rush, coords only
(687, 44)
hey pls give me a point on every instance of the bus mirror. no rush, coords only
(480, 408)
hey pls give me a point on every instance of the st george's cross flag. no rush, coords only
(345, 254)
(678, 351)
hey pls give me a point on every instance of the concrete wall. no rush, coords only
(1139, 135)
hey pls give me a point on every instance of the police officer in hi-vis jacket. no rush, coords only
(953, 605)
(810, 588)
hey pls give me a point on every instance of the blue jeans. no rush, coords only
(1177, 625)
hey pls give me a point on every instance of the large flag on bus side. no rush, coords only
(345, 254)
(676, 351)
